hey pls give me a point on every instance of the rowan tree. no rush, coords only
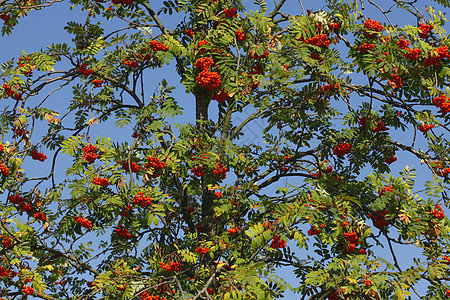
(109, 191)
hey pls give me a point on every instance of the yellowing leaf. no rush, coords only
(92, 121)
(353, 281)
(51, 118)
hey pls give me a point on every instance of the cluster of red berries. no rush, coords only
(389, 160)
(403, 44)
(425, 127)
(336, 295)
(267, 225)
(436, 56)
(221, 96)
(130, 166)
(27, 280)
(123, 233)
(424, 30)
(208, 80)
(173, 266)
(12, 93)
(254, 85)
(329, 88)
(90, 154)
(156, 164)
(157, 46)
(40, 216)
(379, 220)
(18, 131)
(201, 250)
(218, 194)
(147, 296)
(372, 25)
(125, 210)
(189, 32)
(334, 26)
(220, 171)
(253, 54)
(379, 60)
(285, 168)
(28, 290)
(366, 47)
(395, 82)
(83, 222)
(197, 144)
(4, 170)
(5, 17)
(124, 2)
(38, 155)
(130, 63)
(201, 44)
(438, 213)
(233, 230)
(320, 40)
(413, 54)
(256, 69)
(443, 103)
(6, 273)
(198, 171)
(380, 127)
(6, 241)
(98, 82)
(318, 174)
(277, 242)
(26, 68)
(26, 207)
(314, 230)
(204, 63)
(352, 240)
(240, 36)
(141, 200)
(386, 189)
(443, 172)
(230, 12)
(83, 70)
(342, 149)
(147, 57)
(104, 182)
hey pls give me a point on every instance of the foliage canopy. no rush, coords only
(172, 206)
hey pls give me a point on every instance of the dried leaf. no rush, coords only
(405, 218)
(92, 121)
(51, 118)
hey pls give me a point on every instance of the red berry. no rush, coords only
(342, 149)
(372, 25)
